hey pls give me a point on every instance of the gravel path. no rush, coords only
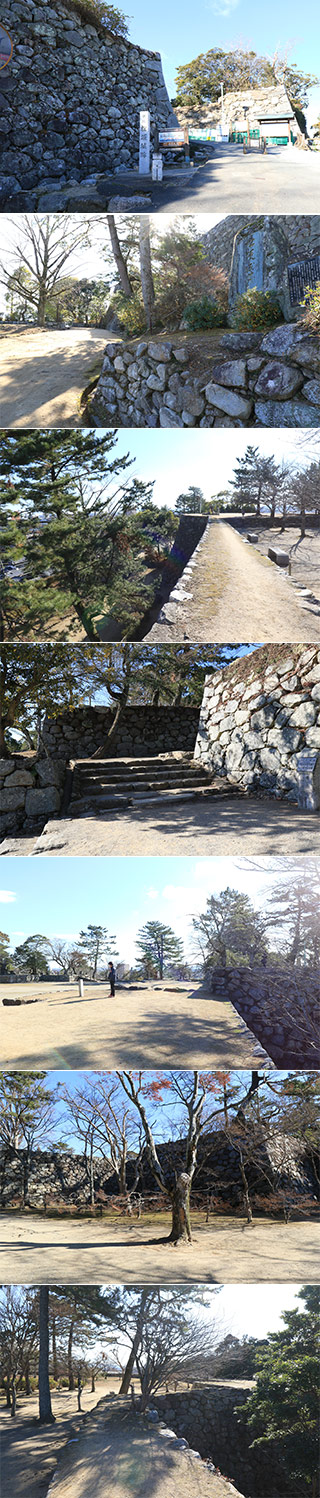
(29, 1452)
(227, 1251)
(236, 594)
(43, 373)
(142, 1028)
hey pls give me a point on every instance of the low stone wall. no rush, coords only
(207, 1418)
(256, 380)
(279, 1006)
(30, 791)
(258, 715)
(141, 731)
(52, 1178)
(70, 98)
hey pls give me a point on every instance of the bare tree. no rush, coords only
(44, 244)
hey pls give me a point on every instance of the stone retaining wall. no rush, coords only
(70, 98)
(30, 791)
(255, 380)
(279, 1006)
(258, 715)
(207, 1418)
(141, 731)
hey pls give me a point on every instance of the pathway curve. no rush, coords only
(146, 1028)
(236, 594)
(43, 374)
(117, 1453)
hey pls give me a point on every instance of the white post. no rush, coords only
(144, 142)
(80, 986)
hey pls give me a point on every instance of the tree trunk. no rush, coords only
(6, 1382)
(147, 286)
(92, 1193)
(70, 1368)
(13, 1397)
(93, 1386)
(120, 262)
(181, 1225)
(54, 1351)
(45, 1412)
(27, 1379)
(126, 1379)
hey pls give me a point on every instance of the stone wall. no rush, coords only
(207, 1418)
(50, 1178)
(280, 1006)
(258, 715)
(70, 98)
(30, 791)
(141, 731)
(255, 380)
(272, 99)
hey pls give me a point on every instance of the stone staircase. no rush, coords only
(102, 785)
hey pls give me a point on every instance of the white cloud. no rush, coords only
(7, 896)
(152, 894)
(223, 7)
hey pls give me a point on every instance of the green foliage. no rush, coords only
(311, 309)
(100, 14)
(193, 501)
(231, 933)
(158, 946)
(282, 1411)
(256, 309)
(199, 81)
(204, 314)
(130, 311)
(181, 274)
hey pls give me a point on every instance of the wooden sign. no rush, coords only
(301, 274)
(6, 48)
(171, 138)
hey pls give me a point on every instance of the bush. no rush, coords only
(179, 285)
(311, 309)
(130, 311)
(204, 314)
(257, 309)
(105, 17)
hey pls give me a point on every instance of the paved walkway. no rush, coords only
(148, 1027)
(213, 826)
(227, 1251)
(43, 374)
(236, 183)
(236, 594)
(117, 1454)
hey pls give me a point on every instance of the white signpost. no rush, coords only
(157, 167)
(308, 774)
(144, 143)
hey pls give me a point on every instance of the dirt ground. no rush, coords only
(119, 1453)
(148, 1027)
(304, 554)
(42, 375)
(28, 1452)
(216, 825)
(37, 1250)
(238, 594)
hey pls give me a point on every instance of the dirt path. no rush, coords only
(144, 1028)
(43, 373)
(37, 1250)
(237, 593)
(28, 1452)
(196, 827)
(118, 1453)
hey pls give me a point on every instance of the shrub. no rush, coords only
(257, 309)
(130, 311)
(204, 314)
(311, 309)
(105, 17)
(179, 285)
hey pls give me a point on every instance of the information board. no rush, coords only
(301, 274)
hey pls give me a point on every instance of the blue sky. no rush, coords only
(180, 33)
(61, 897)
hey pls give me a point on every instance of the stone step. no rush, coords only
(133, 782)
(147, 762)
(101, 803)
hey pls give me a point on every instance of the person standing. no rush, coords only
(112, 980)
